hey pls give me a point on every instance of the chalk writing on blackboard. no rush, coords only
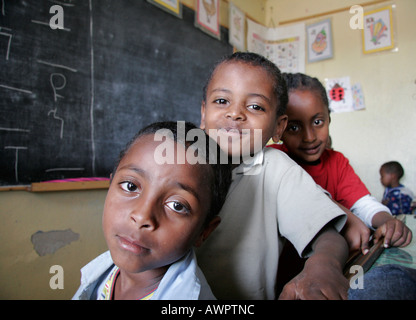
(71, 97)
(45, 104)
(16, 161)
(8, 38)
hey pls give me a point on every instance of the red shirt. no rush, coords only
(335, 174)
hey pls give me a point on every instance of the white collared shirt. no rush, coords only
(270, 197)
(182, 281)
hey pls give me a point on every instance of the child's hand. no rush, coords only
(395, 232)
(322, 276)
(355, 232)
(319, 280)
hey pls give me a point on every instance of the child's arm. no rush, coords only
(377, 216)
(355, 232)
(322, 276)
(395, 232)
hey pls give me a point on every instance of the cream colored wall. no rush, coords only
(24, 274)
(385, 130)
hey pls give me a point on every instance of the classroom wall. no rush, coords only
(385, 130)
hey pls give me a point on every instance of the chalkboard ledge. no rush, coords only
(61, 185)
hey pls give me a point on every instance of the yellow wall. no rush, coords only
(24, 274)
(384, 131)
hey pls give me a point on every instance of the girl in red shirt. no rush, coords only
(305, 141)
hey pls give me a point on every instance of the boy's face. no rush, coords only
(386, 178)
(239, 100)
(307, 131)
(153, 213)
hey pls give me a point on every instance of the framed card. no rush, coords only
(319, 41)
(172, 6)
(237, 23)
(377, 33)
(207, 17)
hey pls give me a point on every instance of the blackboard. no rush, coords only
(71, 98)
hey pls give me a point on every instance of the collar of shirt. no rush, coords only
(249, 165)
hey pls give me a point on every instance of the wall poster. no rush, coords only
(207, 17)
(319, 36)
(378, 30)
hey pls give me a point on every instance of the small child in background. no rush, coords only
(396, 196)
(154, 214)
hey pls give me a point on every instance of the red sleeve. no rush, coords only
(349, 187)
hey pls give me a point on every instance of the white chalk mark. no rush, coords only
(16, 89)
(14, 129)
(8, 44)
(64, 169)
(65, 4)
(54, 87)
(47, 24)
(92, 90)
(57, 65)
(58, 118)
(41, 22)
(16, 161)
(15, 147)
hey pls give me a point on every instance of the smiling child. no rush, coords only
(305, 140)
(270, 197)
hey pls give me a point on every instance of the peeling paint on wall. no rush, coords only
(49, 242)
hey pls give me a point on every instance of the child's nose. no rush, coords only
(309, 134)
(235, 112)
(143, 215)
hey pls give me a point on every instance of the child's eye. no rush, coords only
(293, 128)
(128, 186)
(256, 107)
(220, 101)
(177, 207)
(318, 122)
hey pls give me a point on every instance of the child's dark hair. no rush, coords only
(300, 81)
(394, 167)
(256, 60)
(221, 172)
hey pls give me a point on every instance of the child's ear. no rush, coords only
(202, 125)
(281, 123)
(212, 225)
